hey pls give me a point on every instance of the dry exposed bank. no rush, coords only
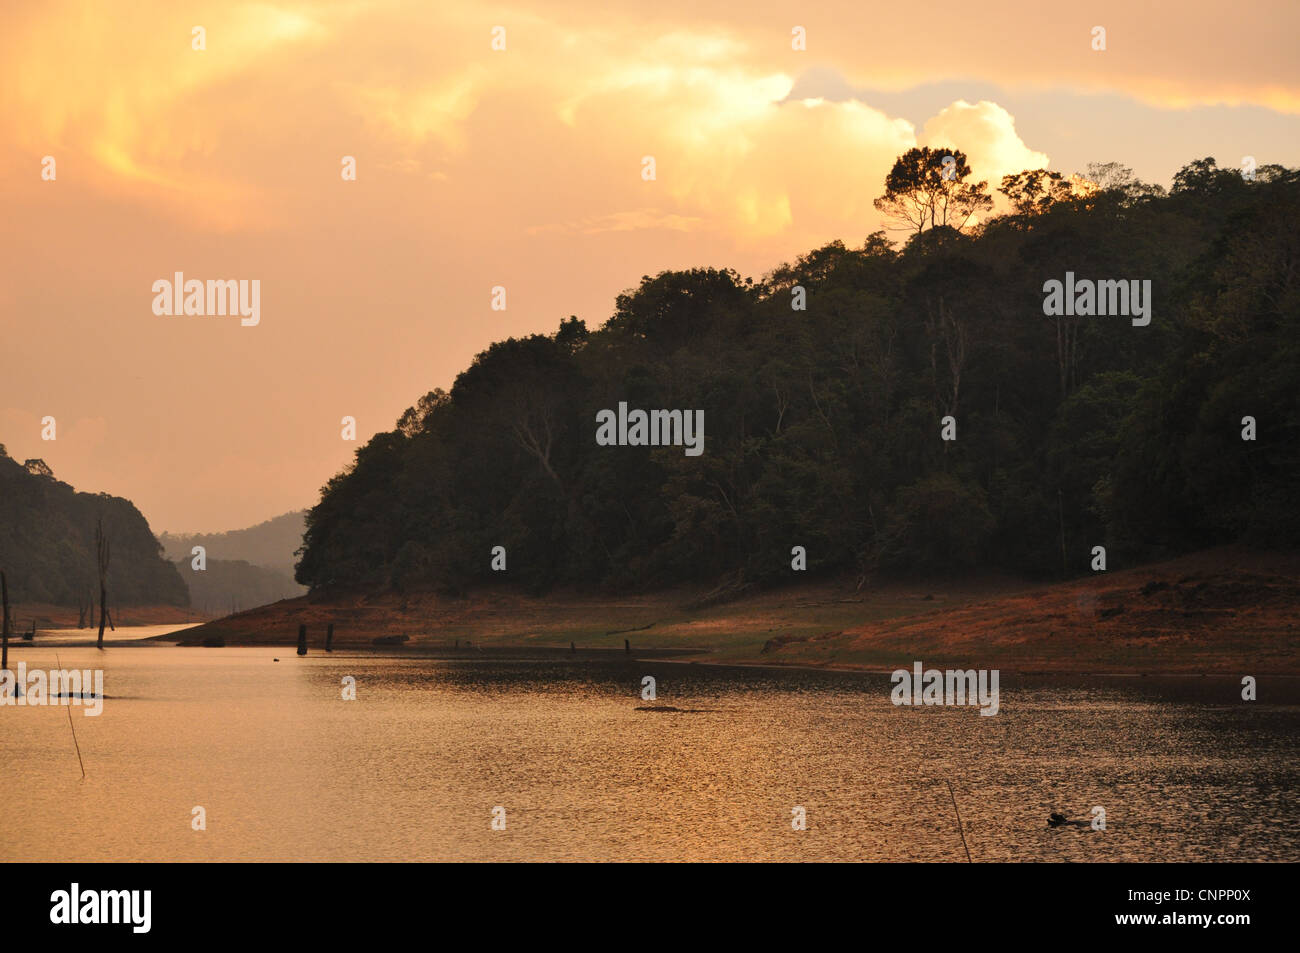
(1224, 611)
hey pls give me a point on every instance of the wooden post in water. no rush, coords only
(573, 649)
(627, 646)
(103, 552)
(302, 639)
(4, 589)
(329, 637)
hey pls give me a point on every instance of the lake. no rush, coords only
(286, 769)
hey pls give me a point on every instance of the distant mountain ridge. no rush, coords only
(244, 567)
(270, 544)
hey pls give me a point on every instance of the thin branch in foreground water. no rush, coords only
(959, 827)
(70, 724)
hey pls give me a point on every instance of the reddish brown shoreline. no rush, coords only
(1221, 611)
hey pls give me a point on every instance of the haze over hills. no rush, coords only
(270, 544)
(244, 567)
(233, 585)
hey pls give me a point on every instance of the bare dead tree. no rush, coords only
(944, 325)
(1067, 351)
(533, 424)
(782, 404)
(821, 412)
(102, 553)
(4, 591)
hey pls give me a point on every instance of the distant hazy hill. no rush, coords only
(227, 586)
(47, 543)
(271, 544)
(245, 567)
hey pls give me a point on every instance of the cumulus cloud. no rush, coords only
(987, 134)
(742, 148)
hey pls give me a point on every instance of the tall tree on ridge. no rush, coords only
(923, 190)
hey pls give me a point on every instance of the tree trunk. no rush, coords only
(103, 612)
(103, 551)
(4, 589)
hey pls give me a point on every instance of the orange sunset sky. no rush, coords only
(520, 168)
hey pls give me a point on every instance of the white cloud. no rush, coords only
(987, 134)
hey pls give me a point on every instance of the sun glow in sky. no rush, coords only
(479, 167)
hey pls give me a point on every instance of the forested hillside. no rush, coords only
(823, 426)
(224, 586)
(47, 543)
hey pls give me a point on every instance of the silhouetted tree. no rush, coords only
(922, 190)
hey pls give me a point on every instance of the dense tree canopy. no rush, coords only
(47, 546)
(929, 188)
(823, 425)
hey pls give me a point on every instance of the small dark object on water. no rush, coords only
(275, 660)
(573, 649)
(627, 646)
(302, 640)
(1057, 819)
(390, 639)
(329, 637)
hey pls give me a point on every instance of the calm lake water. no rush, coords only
(411, 770)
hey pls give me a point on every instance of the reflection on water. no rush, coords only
(123, 633)
(287, 770)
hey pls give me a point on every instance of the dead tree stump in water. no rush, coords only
(329, 637)
(302, 640)
(103, 552)
(4, 589)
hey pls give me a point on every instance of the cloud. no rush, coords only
(987, 134)
(416, 113)
(634, 220)
(123, 95)
(823, 82)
